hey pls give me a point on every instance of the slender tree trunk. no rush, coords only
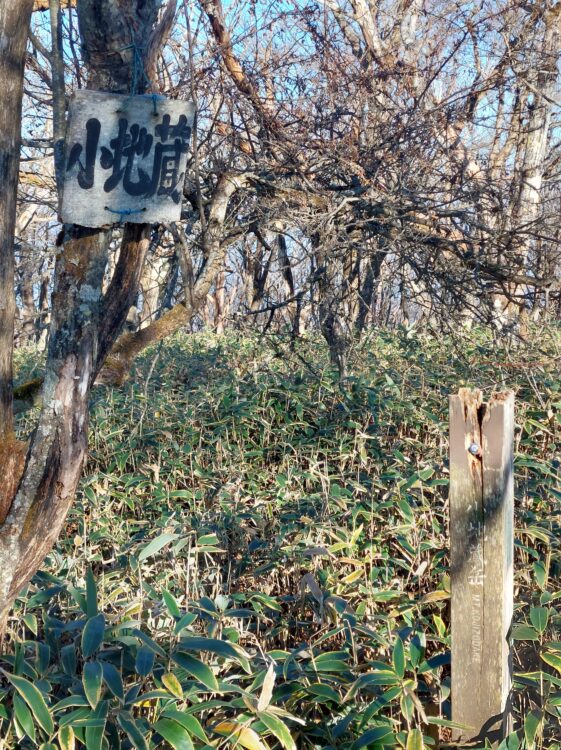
(28, 310)
(15, 16)
(331, 322)
(294, 308)
(44, 309)
(151, 282)
(219, 302)
(528, 200)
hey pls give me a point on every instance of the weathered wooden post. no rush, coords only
(481, 555)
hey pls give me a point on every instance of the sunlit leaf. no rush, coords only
(242, 736)
(279, 729)
(172, 684)
(200, 671)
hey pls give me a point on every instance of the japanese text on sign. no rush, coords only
(125, 158)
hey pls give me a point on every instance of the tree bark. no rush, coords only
(85, 322)
(541, 81)
(15, 16)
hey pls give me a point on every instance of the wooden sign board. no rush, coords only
(481, 561)
(125, 158)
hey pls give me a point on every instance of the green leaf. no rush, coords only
(43, 659)
(91, 680)
(79, 717)
(200, 671)
(398, 658)
(524, 633)
(71, 700)
(382, 677)
(92, 635)
(151, 695)
(150, 643)
(377, 734)
(144, 661)
(191, 724)
(427, 473)
(417, 649)
(91, 594)
(184, 622)
(222, 648)
(66, 738)
(539, 617)
(132, 730)
(31, 622)
(325, 692)
(156, 545)
(439, 625)
(79, 598)
(532, 725)
(414, 740)
(207, 540)
(540, 573)
(175, 734)
(24, 717)
(512, 742)
(553, 660)
(171, 604)
(112, 679)
(279, 729)
(34, 700)
(437, 721)
(94, 737)
(68, 659)
(407, 706)
(331, 661)
(171, 683)
(96, 731)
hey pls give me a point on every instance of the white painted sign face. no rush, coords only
(125, 158)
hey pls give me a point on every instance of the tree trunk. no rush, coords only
(153, 278)
(332, 323)
(528, 199)
(219, 302)
(44, 308)
(15, 16)
(85, 322)
(28, 310)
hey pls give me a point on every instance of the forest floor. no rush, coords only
(258, 557)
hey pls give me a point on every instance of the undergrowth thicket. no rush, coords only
(258, 557)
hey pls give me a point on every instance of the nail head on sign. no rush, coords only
(474, 449)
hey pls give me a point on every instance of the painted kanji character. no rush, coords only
(86, 174)
(125, 148)
(167, 156)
